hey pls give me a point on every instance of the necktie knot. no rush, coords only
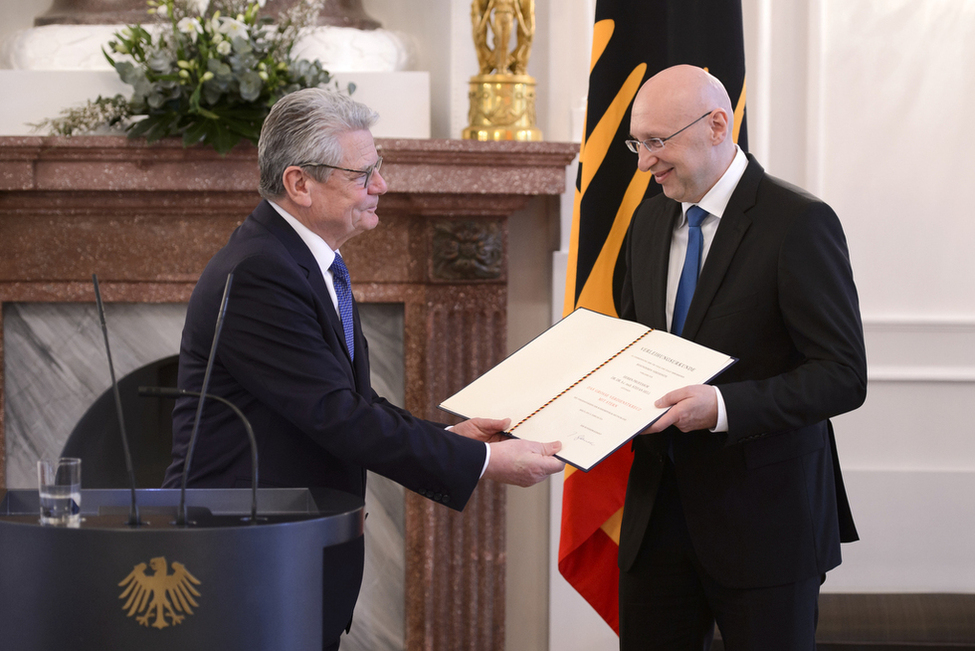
(343, 294)
(339, 269)
(696, 216)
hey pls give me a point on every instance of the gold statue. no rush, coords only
(502, 95)
(506, 14)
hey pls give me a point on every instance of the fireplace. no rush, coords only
(147, 219)
(57, 381)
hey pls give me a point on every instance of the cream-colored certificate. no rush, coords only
(589, 381)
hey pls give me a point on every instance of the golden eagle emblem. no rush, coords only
(159, 594)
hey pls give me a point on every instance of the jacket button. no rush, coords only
(437, 497)
(446, 498)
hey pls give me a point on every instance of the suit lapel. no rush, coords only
(275, 223)
(731, 229)
(659, 257)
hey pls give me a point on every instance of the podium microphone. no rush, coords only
(133, 508)
(181, 515)
(170, 392)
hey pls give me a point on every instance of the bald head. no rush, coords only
(691, 162)
(686, 89)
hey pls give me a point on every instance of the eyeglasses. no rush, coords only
(655, 144)
(366, 173)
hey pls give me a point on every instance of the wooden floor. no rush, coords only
(894, 622)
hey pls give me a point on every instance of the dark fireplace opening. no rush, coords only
(97, 439)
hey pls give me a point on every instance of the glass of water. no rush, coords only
(59, 487)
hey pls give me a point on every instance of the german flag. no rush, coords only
(632, 41)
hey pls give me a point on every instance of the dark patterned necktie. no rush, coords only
(692, 267)
(343, 291)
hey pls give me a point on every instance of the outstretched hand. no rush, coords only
(523, 463)
(488, 430)
(691, 408)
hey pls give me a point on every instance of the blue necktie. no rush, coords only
(692, 267)
(343, 291)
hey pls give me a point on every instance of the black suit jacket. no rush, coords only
(764, 502)
(282, 360)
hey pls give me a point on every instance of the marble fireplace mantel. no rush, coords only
(146, 219)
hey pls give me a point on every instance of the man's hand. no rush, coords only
(523, 463)
(691, 408)
(488, 430)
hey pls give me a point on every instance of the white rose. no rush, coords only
(223, 48)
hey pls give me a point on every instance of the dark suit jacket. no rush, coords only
(282, 360)
(764, 502)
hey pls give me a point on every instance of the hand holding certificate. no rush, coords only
(590, 381)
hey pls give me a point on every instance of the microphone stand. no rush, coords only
(133, 508)
(169, 392)
(181, 515)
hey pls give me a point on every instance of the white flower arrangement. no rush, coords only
(210, 75)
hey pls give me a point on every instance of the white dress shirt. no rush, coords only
(714, 202)
(320, 250)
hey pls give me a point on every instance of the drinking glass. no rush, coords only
(59, 487)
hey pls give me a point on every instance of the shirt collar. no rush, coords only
(321, 251)
(717, 198)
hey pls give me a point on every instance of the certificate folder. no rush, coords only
(589, 381)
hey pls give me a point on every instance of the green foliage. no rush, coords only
(208, 72)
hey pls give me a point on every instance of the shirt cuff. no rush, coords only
(487, 459)
(722, 425)
(487, 453)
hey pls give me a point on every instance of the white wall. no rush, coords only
(861, 102)
(888, 148)
(20, 14)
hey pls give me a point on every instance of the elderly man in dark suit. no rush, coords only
(735, 507)
(292, 355)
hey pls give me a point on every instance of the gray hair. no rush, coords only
(302, 127)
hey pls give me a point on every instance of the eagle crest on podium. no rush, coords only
(159, 595)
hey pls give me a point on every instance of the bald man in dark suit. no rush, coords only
(735, 507)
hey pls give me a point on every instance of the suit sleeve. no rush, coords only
(817, 302)
(276, 344)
